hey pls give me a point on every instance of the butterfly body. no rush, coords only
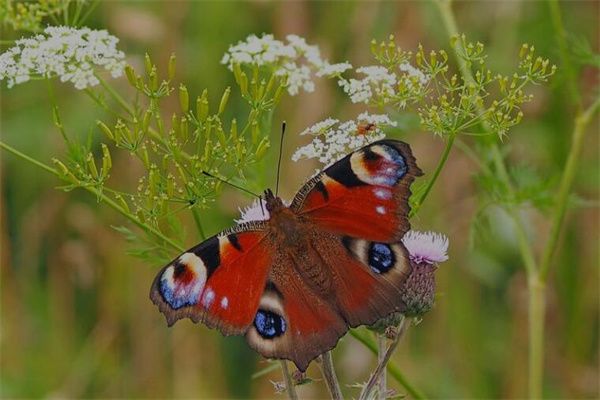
(294, 280)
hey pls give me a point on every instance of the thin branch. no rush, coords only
(392, 368)
(289, 383)
(101, 196)
(581, 123)
(330, 377)
(372, 383)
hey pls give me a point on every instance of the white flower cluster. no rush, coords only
(69, 53)
(296, 59)
(334, 139)
(380, 82)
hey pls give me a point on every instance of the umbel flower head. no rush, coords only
(295, 59)
(333, 139)
(425, 251)
(72, 54)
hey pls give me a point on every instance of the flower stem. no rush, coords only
(115, 95)
(392, 368)
(581, 123)
(101, 196)
(380, 370)
(330, 377)
(433, 179)
(537, 309)
(382, 381)
(289, 384)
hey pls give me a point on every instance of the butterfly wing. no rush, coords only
(364, 195)
(315, 290)
(218, 282)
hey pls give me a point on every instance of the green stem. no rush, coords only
(536, 299)
(111, 203)
(380, 370)
(330, 377)
(198, 223)
(392, 368)
(382, 381)
(115, 95)
(561, 38)
(289, 384)
(436, 174)
(537, 310)
(581, 123)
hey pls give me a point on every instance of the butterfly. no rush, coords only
(294, 281)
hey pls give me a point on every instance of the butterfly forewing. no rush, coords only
(364, 195)
(219, 282)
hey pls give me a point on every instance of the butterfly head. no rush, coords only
(273, 203)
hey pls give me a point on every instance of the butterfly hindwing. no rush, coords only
(218, 282)
(364, 195)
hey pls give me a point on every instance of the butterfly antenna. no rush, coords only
(279, 161)
(230, 184)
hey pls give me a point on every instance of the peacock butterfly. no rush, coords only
(294, 281)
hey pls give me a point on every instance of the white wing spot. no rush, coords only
(380, 209)
(382, 194)
(224, 302)
(208, 297)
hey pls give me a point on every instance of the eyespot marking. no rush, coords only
(268, 324)
(381, 257)
(379, 165)
(182, 282)
(224, 303)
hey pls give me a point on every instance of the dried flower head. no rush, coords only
(334, 139)
(71, 54)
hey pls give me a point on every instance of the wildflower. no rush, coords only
(426, 247)
(330, 70)
(378, 81)
(413, 72)
(294, 59)
(68, 53)
(334, 139)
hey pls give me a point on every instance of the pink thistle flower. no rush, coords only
(426, 247)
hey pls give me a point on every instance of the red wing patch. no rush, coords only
(363, 195)
(219, 282)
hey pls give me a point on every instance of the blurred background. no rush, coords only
(76, 320)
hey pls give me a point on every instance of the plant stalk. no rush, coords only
(289, 384)
(368, 389)
(581, 123)
(433, 179)
(382, 381)
(537, 310)
(330, 376)
(99, 195)
(391, 367)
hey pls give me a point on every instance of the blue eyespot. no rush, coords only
(268, 324)
(381, 257)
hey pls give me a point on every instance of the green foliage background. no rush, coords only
(76, 319)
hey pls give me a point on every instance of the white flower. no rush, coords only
(257, 211)
(411, 71)
(378, 81)
(333, 69)
(334, 139)
(295, 59)
(68, 53)
(426, 247)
